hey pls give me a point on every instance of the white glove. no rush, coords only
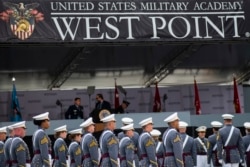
(27, 165)
(242, 164)
(220, 161)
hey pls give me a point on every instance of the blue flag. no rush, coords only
(14, 99)
(15, 106)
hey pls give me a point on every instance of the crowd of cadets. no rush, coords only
(226, 147)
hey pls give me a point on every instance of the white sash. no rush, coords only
(203, 145)
(158, 146)
(104, 133)
(229, 136)
(248, 148)
(120, 144)
(145, 133)
(84, 138)
(35, 137)
(215, 147)
(70, 150)
(167, 135)
(11, 145)
(185, 142)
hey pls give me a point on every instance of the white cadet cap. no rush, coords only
(172, 117)
(19, 125)
(3, 129)
(61, 128)
(183, 124)
(227, 116)
(128, 127)
(201, 129)
(43, 116)
(247, 125)
(10, 127)
(216, 124)
(155, 132)
(108, 118)
(146, 121)
(88, 122)
(76, 131)
(127, 120)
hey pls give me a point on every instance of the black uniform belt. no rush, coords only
(86, 156)
(216, 158)
(8, 162)
(159, 156)
(122, 158)
(39, 152)
(186, 154)
(105, 155)
(169, 154)
(15, 161)
(201, 153)
(227, 149)
(248, 158)
(143, 156)
(72, 161)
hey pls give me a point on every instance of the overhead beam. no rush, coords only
(179, 54)
(68, 66)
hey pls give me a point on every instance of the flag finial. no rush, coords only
(13, 79)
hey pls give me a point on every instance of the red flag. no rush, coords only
(236, 98)
(157, 100)
(197, 102)
(116, 96)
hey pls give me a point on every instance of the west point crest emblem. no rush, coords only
(22, 18)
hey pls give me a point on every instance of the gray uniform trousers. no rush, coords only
(189, 150)
(146, 149)
(173, 148)
(212, 156)
(233, 152)
(109, 146)
(135, 140)
(75, 154)
(19, 152)
(246, 142)
(61, 153)
(90, 151)
(2, 158)
(41, 149)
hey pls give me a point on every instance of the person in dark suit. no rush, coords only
(101, 103)
(75, 111)
(122, 107)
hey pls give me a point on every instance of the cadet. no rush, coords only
(7, 146)
(201, 146)
(212, 157)
(109, 143)
(146, 144)
(126, 147)
(246, 141)
(159, 149)
(19, 151)
(41, 142)
(60, 147)
(229, 144)
(75, 152)
(89, 145)
(3, 132)
(126, 121)
(172, 143)
(188, 145)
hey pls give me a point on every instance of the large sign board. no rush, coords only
(123, 21)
